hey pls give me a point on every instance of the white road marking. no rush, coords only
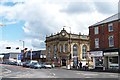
(7, 71)
(54, 74)
(88, 77)
(114, 75)
(87, 74)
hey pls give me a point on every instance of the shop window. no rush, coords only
(114, 60)
(98, 61)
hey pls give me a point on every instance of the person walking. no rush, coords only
(80, 65)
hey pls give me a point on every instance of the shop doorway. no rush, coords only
(63, 62)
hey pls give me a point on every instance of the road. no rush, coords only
(10, 71)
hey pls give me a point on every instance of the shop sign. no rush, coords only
(96, 53)
(110, 53)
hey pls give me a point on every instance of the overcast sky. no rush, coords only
(32, 20)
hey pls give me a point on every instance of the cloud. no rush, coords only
(106, 7)
(78, 7)
(44, 17)
(36, 43)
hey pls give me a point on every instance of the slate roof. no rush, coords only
(109, 19)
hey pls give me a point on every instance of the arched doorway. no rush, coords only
(63, 62)
(75, 56)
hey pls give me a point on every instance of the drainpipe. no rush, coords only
(119, 34)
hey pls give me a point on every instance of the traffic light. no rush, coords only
(8, 47)
(17, 47)
(25, 49)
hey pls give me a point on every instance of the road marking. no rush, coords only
(54, 74)
(7, 71)
(87, 74)
(88, 77)
(114, 75)
(90, 74)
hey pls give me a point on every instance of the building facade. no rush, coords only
(39, 55)
(105, 42)
(66, 48)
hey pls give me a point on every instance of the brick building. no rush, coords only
(105, 42)
(67, 48)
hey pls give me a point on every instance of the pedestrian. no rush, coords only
(86, 66)
(80, 65)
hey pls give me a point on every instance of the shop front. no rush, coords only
(111, 60)
(97, 59)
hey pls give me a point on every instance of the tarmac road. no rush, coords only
(11, 71)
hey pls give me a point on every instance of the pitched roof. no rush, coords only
(109, 19)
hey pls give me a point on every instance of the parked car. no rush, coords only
(35, 65)
(30, 62)
(47, 65)
(12, 63)
(20, 63)
(25, 64)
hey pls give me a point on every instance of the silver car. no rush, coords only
(35, 65)
(47, 65)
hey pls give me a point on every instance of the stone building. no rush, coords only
(66, 48)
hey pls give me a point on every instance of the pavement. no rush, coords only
(93, 70)
(11, 71)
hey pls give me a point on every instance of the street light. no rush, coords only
(69, 38)
(30, 54)
(69, 56)
(2, 25)
(23, 43)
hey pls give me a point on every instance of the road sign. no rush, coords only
(19, 56)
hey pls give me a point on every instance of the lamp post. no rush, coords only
(69, 56)
(23, 51)
(1, 27)
(23, 43)
(30, 54)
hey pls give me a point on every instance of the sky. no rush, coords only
(31, 20)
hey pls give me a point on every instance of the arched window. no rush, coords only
(75, 50)
(48, 53)
(55, 50)
(61, 48)
(66, 47)
(84, 51)
(75, 55)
